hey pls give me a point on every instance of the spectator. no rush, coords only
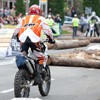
(1, 12)
(7, 12)
(19, 17)
(10, 20)
(75, 24)
(83, 22)
(43, 14)
(67, 12)
(1, 22)
(4, 15)
(12, 12)
(5, 20)
(73, 11)
(58, 20)
(50, 22)
(49, 11)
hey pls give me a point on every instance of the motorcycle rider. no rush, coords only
(93, 15)
(94, 18)
(28, 32)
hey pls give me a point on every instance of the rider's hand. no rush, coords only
(51, 41)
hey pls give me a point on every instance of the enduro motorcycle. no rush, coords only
(27, 74)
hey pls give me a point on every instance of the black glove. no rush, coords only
(51, 41)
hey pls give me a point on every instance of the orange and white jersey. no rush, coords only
(30, 26)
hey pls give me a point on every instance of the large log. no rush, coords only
(50, 46)
(89, 52)
(68, 37)
(91, 39)
(65, 44)
(95, 39)
(77, 58)
(61, 61)
(64, 38)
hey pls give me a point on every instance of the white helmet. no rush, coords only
(49, 16)
(93, 13)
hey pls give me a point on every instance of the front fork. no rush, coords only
(45, 60)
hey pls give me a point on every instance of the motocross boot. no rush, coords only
(39, 74)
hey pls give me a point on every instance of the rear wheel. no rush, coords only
(20, 84)
(44, 87)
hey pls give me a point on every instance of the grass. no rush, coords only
(65, 32)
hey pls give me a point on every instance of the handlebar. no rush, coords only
(47, 40)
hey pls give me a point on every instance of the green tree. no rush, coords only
(78, 4)
(57, 7)
(95, 4)
(34, 2)
(20, 7)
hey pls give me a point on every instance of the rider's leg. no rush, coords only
(40, 67)
(36, 49)
(96, 30)
(24, 48)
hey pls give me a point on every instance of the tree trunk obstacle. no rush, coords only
(77, 58)
(91, 39)
(66, 44)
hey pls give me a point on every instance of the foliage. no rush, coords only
(33, 2)
(57, 7)
(95, 4)
(65, 32)
(78, 4)
(20, 7)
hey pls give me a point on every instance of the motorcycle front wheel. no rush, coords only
(20, 84)
(44, 87)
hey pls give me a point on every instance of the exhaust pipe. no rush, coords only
(29, 66)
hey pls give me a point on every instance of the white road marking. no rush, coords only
(52, 79)
(7, 91)
(7, 62)
(26, 99)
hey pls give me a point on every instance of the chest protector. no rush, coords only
(31, 22)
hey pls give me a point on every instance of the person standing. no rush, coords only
(83, 22)
(59, 21)
(51, 23)
(73, 12)
(75, 24)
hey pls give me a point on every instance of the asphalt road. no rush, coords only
(68, 83)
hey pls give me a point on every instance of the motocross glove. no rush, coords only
(51, 41)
